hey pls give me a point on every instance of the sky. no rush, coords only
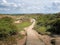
(29, 6)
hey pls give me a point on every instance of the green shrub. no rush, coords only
(7, 28)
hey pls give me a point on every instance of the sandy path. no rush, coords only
(32, 35)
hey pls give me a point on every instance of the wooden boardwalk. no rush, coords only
(32, 36)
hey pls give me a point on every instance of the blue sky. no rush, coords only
(29, 6)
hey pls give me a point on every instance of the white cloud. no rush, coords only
(4, 1)
(9, 4)
(33, 5)
(57, 1)
(4, 9)
(15, 5)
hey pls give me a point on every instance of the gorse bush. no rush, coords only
(7, 28)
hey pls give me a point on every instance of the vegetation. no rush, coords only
(7, 28)
(22, 25)
(45, 24)
(48, 23)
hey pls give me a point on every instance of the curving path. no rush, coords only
(32, 35)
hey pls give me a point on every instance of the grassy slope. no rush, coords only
(22, 25)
